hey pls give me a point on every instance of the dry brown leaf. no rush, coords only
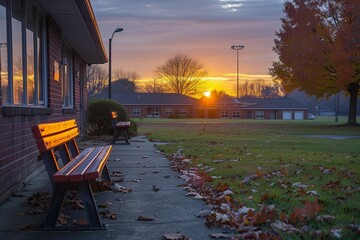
(26, 228)
(284, 227)
(175, 236)
(310, 209)
(108, 214)
(219, 235)
(33, 212)
(105, 205)
(144, 218)
(82, 222)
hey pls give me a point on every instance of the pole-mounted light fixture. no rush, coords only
(110, 39)
(237, 48)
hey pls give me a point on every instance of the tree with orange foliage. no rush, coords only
(319, 49)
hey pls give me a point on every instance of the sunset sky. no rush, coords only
(156, 30)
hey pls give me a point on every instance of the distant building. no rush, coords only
(45, 47)
(177, 105)
(155, 105)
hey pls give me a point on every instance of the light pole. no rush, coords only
(237, 48)
(110, 39)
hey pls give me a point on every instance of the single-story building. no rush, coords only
(155, 105)
(172, 105)
(252, 108)
(45, 47)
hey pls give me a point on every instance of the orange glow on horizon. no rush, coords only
(222, 82)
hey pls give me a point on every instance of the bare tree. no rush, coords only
(121, 74)
(260, 89)
(96, 79)
(183, 74)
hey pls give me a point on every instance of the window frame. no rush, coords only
(224, 114)
(259, 115)
(136, 112)
(38, 31)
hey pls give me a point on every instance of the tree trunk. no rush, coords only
(353, 90)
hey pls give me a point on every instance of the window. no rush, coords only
(136, 112)
(224, 114)
(182, 111)
(66, 77)
(236, 115)
(22, 51)
(4, 86)
(168, 111)
(259, 115)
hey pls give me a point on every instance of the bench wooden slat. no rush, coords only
(46, 143)
(45, 129)
(77, 174)
(123, 124)
(62, 174)
(94, 170)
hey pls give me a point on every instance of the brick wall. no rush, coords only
(18, 152)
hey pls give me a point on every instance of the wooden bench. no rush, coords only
(57, 140)
(120, 128)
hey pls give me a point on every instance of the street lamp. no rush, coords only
(237, 48)
(110, 39)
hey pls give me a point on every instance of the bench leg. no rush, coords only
(116, 136)
(55, 207)
(87, 196)
(126, 136)
(105, 173)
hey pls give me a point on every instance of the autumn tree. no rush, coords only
(319, 49)
(97, 79)
(182, 73)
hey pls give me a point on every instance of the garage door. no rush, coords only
(299, 115)
(287, 115)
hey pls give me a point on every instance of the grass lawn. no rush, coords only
(288, 161)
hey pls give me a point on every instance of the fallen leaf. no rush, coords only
(219, 235)
(155, 188)
(284, 227)
(331, 184)
(26, 228)
(310, 209)
(108, 214)
(325, 218)
(105, 205)
(175, 236)
(82, 222)
(144, 218)
(33, 212)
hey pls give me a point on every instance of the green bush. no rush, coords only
(99, 119)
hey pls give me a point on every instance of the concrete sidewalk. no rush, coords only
(156, 193)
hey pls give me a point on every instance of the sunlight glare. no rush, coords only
(207, 94)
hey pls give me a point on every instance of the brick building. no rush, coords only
(45, 47)
(164, 105)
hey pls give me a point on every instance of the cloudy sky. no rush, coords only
(156, 30)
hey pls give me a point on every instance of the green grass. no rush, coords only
(265, 147)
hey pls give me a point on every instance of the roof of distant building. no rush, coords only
(150, 98)
(271, 103)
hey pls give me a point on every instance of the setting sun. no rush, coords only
(207, 94)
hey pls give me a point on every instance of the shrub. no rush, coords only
(99, 119)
